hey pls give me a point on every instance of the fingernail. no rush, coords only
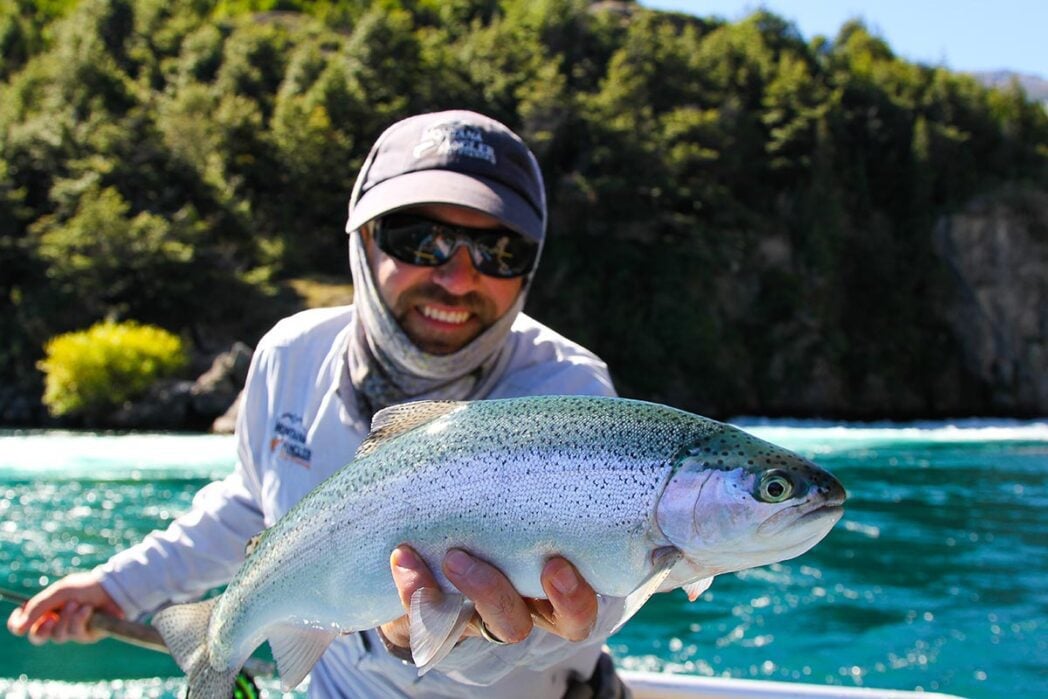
(405, 558)
(15, 621)
(458, 562)
(565, 580)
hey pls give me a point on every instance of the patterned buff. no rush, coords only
(386, 368)
(460, 158)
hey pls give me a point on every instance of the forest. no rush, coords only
(743, 220)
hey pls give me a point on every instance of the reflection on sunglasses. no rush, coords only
(496, 252)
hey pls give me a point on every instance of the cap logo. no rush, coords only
(457, 139)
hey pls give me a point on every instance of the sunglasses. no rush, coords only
(496, 252)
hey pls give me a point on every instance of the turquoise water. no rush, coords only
(935, 578)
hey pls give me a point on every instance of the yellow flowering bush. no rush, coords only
(92, 370)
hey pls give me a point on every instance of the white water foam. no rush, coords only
(101, 456)
(814, 434)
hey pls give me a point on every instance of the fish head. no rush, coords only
(735, 501)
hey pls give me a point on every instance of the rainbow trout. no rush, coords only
(640, 497)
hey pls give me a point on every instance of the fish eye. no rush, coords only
(775, 487)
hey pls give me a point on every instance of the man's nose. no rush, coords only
(458, 275)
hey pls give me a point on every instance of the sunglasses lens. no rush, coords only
(503, 254)
(426, 243)
(412, 240)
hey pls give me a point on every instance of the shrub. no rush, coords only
(90, 371)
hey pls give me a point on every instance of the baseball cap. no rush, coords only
(453, 157)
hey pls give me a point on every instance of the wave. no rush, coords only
(825, 434)
(107, 456)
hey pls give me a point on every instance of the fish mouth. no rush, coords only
(831, 505)
(825, 512)
(821, 515)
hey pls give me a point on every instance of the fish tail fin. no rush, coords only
(184, 630)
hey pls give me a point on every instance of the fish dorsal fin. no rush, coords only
(437, 622)
(296, 650)
(252, 544)
(397, 419)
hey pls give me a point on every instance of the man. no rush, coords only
(446, 222)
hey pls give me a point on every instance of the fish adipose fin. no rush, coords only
(437, 622)
(662, 561)
(397, 419)
(296, 650)
(184, 630)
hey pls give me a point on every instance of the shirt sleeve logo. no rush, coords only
(289, 437)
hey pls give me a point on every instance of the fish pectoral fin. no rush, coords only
(663, 561)
(437, 622)
(397, 419)
(296, 650)
(697, 587)
(184, 630)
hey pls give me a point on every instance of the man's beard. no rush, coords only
(482, 316)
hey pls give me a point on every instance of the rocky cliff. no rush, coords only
(996, 250)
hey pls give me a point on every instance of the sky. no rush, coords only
(963, 35)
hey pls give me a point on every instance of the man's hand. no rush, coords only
(570, 611)
(59, 613)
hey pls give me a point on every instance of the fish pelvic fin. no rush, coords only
(184, 629)
(296, 650)
(662, 562)
(397, 419)
(437, 622)
(697, 587)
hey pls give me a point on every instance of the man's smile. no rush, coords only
(444, 316)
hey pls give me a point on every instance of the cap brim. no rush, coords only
(447, 187)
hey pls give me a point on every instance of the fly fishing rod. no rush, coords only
(145, 636)
(140, 635)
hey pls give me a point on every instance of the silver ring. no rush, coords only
(485, 632)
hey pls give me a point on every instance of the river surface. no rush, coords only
(936, 578)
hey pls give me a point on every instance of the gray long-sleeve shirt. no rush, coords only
(293, 431)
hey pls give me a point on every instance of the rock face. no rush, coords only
(997, 252)
(226, 422)
(164, 407)
(217, 388)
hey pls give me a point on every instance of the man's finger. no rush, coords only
(15, 621)
(573, 601)
(503, 611)
(40, 632)
(61, 632)
(78, 629)
(409, 573)
(39, 606)
(72, 624)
